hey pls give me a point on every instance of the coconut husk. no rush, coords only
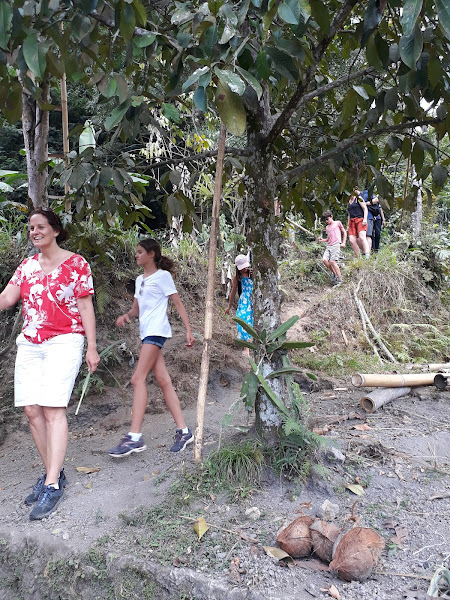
(356, 553)
(295, 539)
(323, 536)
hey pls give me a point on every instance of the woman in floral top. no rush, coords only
(56, 290)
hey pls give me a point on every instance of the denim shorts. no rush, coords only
(156, 340)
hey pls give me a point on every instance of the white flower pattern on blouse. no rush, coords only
(49, 301)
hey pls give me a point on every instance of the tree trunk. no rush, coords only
(264, 240)
(416, 217)
(35, 125)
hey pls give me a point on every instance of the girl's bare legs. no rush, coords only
(170, 396)
(146, 363)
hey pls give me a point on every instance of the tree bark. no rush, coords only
(35, 125)
(264, 241)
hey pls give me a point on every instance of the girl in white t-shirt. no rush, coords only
(152, 293)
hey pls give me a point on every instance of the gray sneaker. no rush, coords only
(39, 486)
(47, 503)
(126, 446)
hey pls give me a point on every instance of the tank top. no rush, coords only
(354, 210)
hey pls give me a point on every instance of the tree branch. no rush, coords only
(340, 148)
(192, 157)
(318, 53)
(334, 84)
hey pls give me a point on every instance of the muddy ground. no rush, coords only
(117, 535)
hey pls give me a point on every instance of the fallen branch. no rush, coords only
(300, 227)
(375, 334)
(411, 575)
(363, 321)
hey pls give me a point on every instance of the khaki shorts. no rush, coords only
(45, 373)
(332, 252)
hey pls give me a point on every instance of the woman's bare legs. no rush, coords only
(354, 244)
(48, 426)
(362, 241)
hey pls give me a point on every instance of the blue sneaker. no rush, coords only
(39, 486)
(126, 446)
(182, 440)
(47, 502)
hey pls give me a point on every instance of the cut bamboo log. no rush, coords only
(439, 367)
(441, 380)
(387, 380)
(371, 402)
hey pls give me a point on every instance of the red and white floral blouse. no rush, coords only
(49, 302)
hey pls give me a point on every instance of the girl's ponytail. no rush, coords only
(162, 262)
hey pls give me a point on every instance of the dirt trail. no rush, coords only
(401, 457)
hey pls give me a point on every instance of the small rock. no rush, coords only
(328, 511)
(253, 513)
(335, 454)
(65, 536)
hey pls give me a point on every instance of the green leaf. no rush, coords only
(254, 83)
(391, 99)
(233, 81)
(410, 47)
(283, 63)
(6, 14)
(372, 54)
(34, 55)
(200, 99)
(246, 327)
(292, 345)
(127, 22)
(410, 12)
(194, 78)
(372, 18)
(361, 91)
(245, 344)
(144, 41)
(171, 112)
(321, 15)
(417, 157)
(249, 389)
(288, 14)
(443, 11)
(268, 390)
(231, 110)
(107, 86)
(435, 71)
(140, 13)
(281, 330)
(262, 65)
(117, 115)
(284, 371)
(439, 175)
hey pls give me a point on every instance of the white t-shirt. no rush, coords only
(152, 294)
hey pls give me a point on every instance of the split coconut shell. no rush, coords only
(356, 553)
(323, 536)
(295, 539)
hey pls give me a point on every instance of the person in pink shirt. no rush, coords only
(334, 245)
(56, 290)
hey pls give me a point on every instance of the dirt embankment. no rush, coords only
(125, 528)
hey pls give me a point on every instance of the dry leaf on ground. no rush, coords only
(361, 427)
(234, 570)
(332, 591)
(88, 470)
(201, 527)
(401, 533)
(355, 488)
(276, 553)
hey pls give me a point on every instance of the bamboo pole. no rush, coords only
(397, 380)
(441, 380)
(204, 368)
(300, 227)
(381, 396)
(439, 367)
(65, 128)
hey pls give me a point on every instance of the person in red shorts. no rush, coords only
(357, 224)
(55, 287)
